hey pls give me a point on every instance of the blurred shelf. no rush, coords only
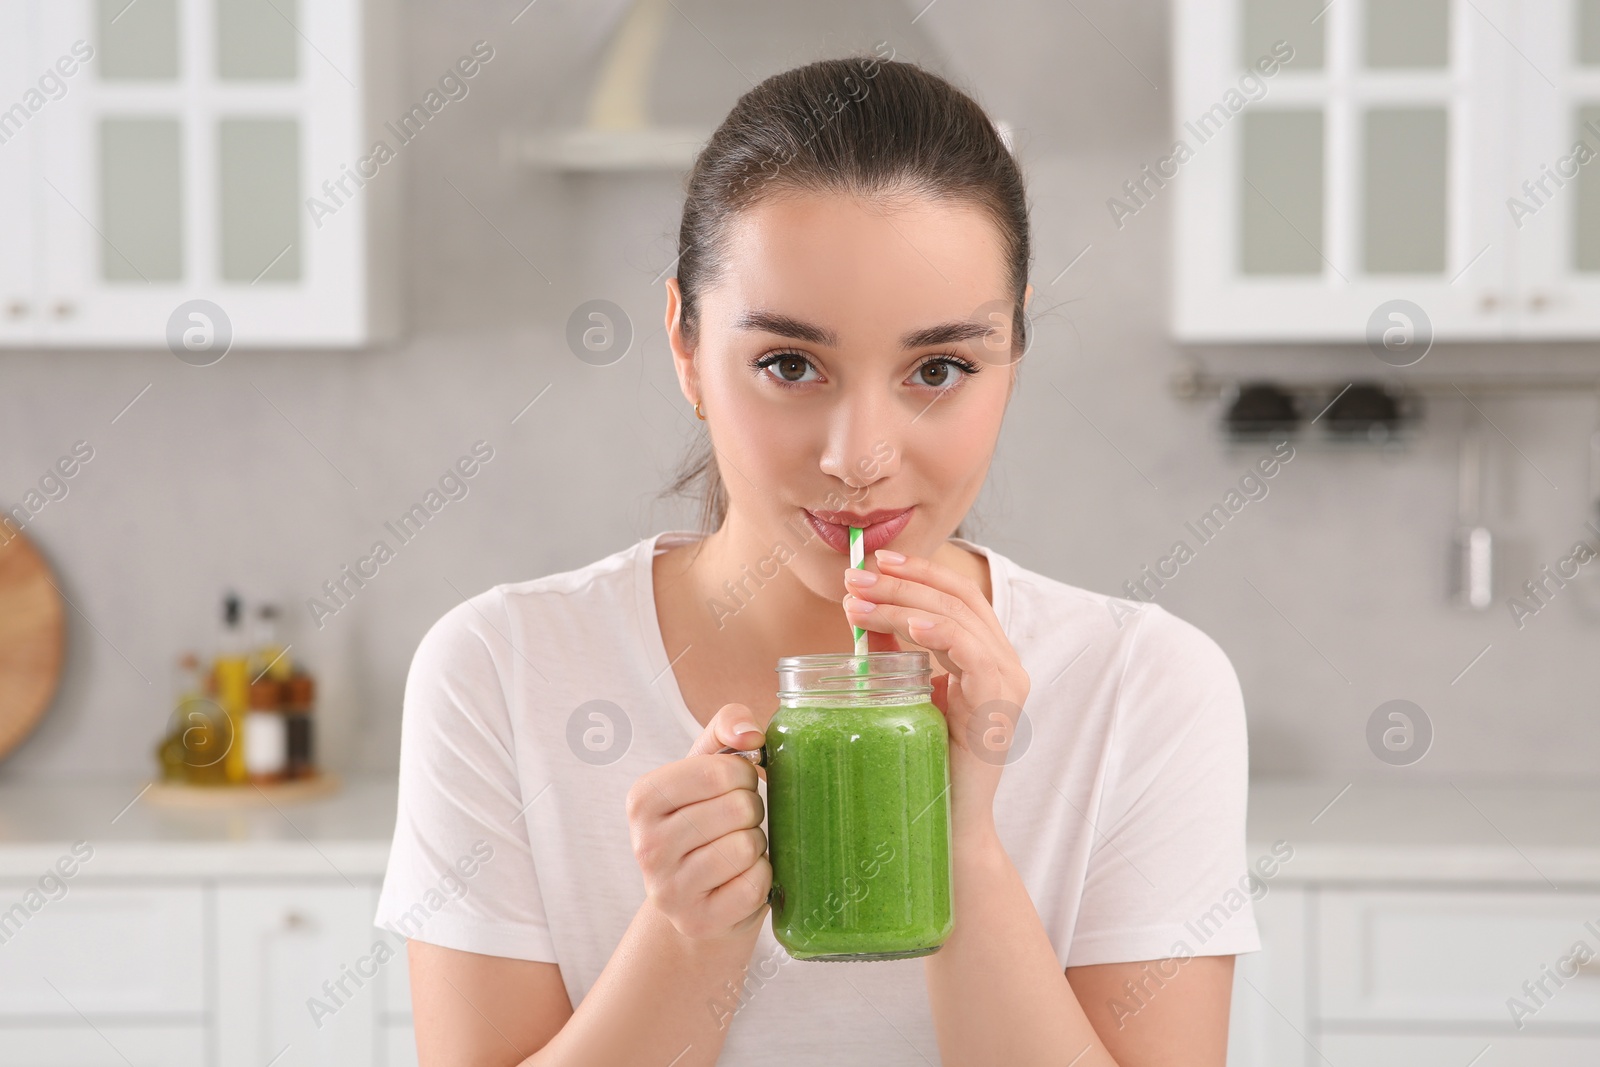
(578, 151)
(221, 797)
(1193, 383)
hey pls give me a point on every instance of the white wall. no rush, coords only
(203, 484)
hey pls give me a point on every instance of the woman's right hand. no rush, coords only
(696, 829)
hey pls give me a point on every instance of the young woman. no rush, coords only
(582, 875)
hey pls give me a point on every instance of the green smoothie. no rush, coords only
(858, 815)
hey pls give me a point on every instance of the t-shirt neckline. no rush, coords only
(656, 646)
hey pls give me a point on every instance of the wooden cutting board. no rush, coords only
(33, 638)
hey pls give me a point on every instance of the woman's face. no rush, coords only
(851, 357)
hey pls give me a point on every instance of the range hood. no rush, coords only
(622, 133)
(619, 134)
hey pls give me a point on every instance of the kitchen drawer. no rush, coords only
(399, 1045)
(1439, 956)
(123, 949)
(298, 967)
(1454, 1050)
(111, 1046)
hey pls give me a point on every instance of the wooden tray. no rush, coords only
(33, 638)
(176, 795)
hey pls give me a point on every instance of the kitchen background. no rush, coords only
(270, 470)
(1424, 886)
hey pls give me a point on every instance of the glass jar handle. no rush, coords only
(758, 757)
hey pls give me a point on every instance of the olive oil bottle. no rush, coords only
(231, 670)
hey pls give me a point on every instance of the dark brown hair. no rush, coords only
(864, 126)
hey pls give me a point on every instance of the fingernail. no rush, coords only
(889, 555)
(746, 728)
(917, 623)
(863, 606)
(860, 576)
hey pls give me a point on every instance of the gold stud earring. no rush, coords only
(697, 413)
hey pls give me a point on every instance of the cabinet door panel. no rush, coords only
(102, 949)
(21, 115)
(1458, 957)
(186, 167)
(1553, 189)
(397, 984)
(1355, 158)
(117, 174)
(1456, 1050)
(1268, 1009)
(107, 1046)
(1405, 190)
(296, 966)
(400, 1045)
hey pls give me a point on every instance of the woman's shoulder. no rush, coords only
(563, 605)
(594, 587)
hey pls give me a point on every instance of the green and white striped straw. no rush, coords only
(858, 558)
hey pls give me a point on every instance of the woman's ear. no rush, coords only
(682, 356)
(674, 312)
(1027, 295)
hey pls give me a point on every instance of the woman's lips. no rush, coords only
(873, 537)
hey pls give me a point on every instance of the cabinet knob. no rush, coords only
(65, 309)
(295, 920)
(1488, 302)
(1538, 301)
(16, 309)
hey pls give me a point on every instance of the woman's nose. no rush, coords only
(860, 458)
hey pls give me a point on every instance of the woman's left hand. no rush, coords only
(935, 608)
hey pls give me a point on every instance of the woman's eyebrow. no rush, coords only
(946, 333)
(788, 326)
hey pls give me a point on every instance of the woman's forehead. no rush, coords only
(845, 266)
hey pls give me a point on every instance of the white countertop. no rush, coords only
(346, 834)
(1535, 836)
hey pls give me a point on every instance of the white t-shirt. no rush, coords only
(1124, 815)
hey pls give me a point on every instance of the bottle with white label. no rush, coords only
(266, 734)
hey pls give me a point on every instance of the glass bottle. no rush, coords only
(268, 654)
(266, 734)
(231, 669)
(299, 696)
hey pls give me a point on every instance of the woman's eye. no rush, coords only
(792, 368)
(939, 373)
(786, 368)
(943, 369)
(935, 372)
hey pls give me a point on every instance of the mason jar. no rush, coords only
(858, 808)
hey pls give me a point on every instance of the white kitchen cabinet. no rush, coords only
(1383, 976)
(103, 950)
(109, 1046)
(1379, 164)
(299, 987)
(18, 140)
(399, 1045)
(179, 161)
(397, 986)
(397, 1040)
(1558, 245)
(1268, 1015)
(1392, 934)
(1455, 957)
(183, 974)
(1454, 1050)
